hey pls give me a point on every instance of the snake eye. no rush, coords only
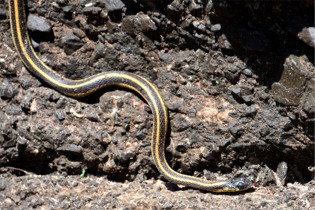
(240, 183)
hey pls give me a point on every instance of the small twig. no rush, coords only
(18, 169)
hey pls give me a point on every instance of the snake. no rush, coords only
(119, 79)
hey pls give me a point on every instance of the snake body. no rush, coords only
(84, 87)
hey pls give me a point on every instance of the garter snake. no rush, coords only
(84, 87)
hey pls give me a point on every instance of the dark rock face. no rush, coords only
(238, 78)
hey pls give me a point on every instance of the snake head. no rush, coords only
(240, 184)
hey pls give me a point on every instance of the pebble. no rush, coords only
(3, 184)
(99, 51)
(282, 171)
(236, 91)
(60, 115)
(236, 130)
(199, 26)
(216, 27)
(175, 6)
(38, 24)
(247, 72)
(194, 7)
(125, 156)
(224, 43)
(114, 5)
(61, 103)
(307, 35)
(139, 22)
(242, 94)
(13, 110)
(67, 8)
(92, 10)
(140, 135)
(181, 124)
(70, 149)
(308, 99)
(26, 81)
(21, 143)
(251, 110)
(3, 13)
(209, 6)
(71, 43)
(6, 90)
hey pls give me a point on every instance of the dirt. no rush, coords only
(237, 78)
(74, 192)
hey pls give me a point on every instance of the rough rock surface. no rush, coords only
(237, 79)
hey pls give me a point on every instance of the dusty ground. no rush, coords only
(74, 192)
(238, 79)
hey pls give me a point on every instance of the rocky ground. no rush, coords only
(238, 78)
(74, 192)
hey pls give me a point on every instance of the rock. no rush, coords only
(38, 24)
(13, 110)
(236, 130)
(199, 26)
(181, 124)
(114, 5)
(70, 149)
(281, 174)
(26, 80)
(125, 156)
(308, 99)
(290, 88)
(307, 35)
(71, 43)
(67, 8)
(6, 90)
(92, 10)
(241, 94)
(224, 43)
(3, 13)
(99, 51)
(60, 115)
(216, 27)
(3, 184)
(274, 119)
(139, 22)
(175, 6)
(140, 135)
(195, 7)
(92, 116)
(250, 110)
(21, 143)
(26, 102)
(209, 6)
(247, 72)
(61, 103)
